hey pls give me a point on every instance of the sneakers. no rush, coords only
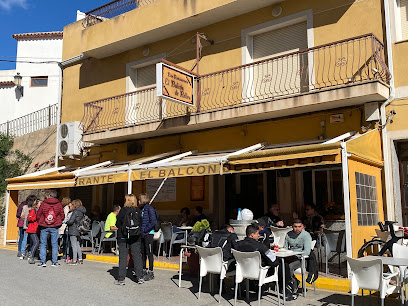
(81, 261)
(31, 260)
(119, 283)
(290, 296)
(140, 281)
(19, 254)
(149, 275)
(55, 264)
(72, 263)
(43, 264)
(21, 257)
(295, 285)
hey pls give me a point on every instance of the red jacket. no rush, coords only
(44, 210)
(32, 222)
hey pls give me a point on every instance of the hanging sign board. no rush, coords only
(174, 84)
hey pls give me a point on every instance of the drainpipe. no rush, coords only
(386, 145)
(58, 115)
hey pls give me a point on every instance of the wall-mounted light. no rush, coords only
(17, 81)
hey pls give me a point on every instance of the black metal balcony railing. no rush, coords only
(339, 64)
(31, 122)
(112, 9)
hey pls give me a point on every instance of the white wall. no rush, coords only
(34, 98)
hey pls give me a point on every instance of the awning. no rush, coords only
(55, 180)
(287, 157)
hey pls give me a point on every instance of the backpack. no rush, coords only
(84, 225)
(131, 223)
(199, 238)
(158, 221)
(50, 218)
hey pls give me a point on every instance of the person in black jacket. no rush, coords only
(133, 242)
(251, 244)
(226, 239)
(148, 224)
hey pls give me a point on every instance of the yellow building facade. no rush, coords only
(304, 80)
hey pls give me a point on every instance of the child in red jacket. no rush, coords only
(33, 229)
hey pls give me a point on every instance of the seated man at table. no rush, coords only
(264, 232)
(251, 244)
(226, 239)
(297, 240)
(110, 224)
(273, 215)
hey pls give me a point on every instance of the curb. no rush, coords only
(342, 285)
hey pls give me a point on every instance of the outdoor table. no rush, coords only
(285, 254)
(183, 249)
(392, 261)
(186, 229)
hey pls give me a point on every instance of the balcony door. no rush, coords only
(288, 73)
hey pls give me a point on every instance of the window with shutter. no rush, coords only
(143, 106)
(403, 10)
(285, 75)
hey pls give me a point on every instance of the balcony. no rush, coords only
(340, 74)
(124, 25)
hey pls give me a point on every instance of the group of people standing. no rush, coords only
(40, 219)
(135, 224)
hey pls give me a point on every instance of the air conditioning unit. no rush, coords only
(70, 136)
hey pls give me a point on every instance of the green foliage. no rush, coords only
(2, 215)
(199, 226)
(12, 163)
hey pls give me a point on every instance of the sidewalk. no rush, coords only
(330, 282)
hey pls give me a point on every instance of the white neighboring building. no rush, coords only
(38, 55)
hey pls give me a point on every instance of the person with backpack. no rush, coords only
(20, 224)
(128, 222)
(32, 229)
(148, 226)
(31, 200)
(78, 213)
(49, 218)
(226, 239)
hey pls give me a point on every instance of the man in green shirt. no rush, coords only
(110, 224)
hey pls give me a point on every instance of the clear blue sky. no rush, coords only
(26, 16)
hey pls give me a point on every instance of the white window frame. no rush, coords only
(131, 76)
(247, 35)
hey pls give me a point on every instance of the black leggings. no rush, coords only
(147, 250)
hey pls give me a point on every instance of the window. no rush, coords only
(40, 81)
(286, 75)
(403, 19)
(367, 202)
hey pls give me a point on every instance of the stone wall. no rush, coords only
(40, 146)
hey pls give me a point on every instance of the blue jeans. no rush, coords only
(24, 242)
(20, 238)
(45, 232)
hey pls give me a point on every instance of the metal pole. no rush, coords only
(49, 115)
(197, 64)
(346, 200)
(7, 128)
(129, 182)
(158, 189)
(6, 217)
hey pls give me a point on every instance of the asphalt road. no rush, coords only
(92, 284)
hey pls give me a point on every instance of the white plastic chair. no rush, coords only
(165, 236)
(174, 239)
(368, 275)
(211, 262)
(400, 251)
(302, 270)
(249, 266)
(334, 241)
(281, 234)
